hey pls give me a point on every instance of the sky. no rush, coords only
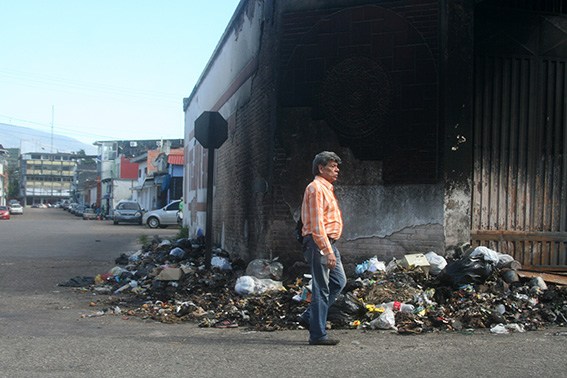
(105, 69)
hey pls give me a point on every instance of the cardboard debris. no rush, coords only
(170, 274)
(414, 261)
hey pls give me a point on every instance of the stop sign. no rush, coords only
(211, 129)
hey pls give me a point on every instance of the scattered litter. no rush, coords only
(372, 265)
(417, 293)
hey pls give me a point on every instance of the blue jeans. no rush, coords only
(326, 286)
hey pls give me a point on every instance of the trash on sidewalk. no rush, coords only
(475, 291)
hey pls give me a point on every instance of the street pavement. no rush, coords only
(48, 331)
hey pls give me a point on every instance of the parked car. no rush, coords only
(127, 211)
(89, 214)
(16, 208)
(4, 212)
(163, 217)
(71, 206)
(78, 210)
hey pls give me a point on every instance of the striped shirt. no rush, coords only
(320, 214)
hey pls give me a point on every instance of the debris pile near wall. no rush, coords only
(167, 282)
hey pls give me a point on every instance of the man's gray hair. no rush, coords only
(323, 158)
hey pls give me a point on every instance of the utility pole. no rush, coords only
(52, 116)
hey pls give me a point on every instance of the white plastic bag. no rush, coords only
(262, 268)
(486, 254)
(247, 285)
(221, 262)
(437, 263)
(387, 320)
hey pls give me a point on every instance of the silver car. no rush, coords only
(16, 208)
(163, 217)
(127, 211)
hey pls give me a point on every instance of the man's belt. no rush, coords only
(331, 240)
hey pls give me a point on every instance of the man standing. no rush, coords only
(322, 227)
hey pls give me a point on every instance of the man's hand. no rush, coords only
(331, 261)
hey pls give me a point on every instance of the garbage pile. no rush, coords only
(167, 281)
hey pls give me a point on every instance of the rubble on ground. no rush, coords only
(167, 281)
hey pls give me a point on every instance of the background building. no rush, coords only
(4, 178)
(46, 177)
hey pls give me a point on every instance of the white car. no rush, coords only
(16, 208)
(163, 217)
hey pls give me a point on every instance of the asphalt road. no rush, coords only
(46, 330)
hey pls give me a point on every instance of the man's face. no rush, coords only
(330, 172)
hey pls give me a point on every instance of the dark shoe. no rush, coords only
(324, 342)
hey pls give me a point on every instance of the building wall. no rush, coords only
(226, 86)
(128, 170)
(122, 190)
(361, 78)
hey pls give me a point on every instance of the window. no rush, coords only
(173, 206)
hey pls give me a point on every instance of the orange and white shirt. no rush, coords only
(320, 214)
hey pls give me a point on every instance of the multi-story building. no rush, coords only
(46, 177)
(3, 175)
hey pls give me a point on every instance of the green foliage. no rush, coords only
(183, 233)
(144, 240)
(13, 187)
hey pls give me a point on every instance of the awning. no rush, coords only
(175, 159)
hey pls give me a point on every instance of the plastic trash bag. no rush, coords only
(346, 309)
(504, 259)
(177, 252)
(392, 266)
(245, 285)
(387, 320)
(468, 270)
(437, 263)
(220, 262)
(261, 268)
(248, 285)
(372, 265)
(486, 254)
(349, 304)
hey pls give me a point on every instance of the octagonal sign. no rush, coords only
(211, 129)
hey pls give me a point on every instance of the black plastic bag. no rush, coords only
(467, 271)
(346, 309)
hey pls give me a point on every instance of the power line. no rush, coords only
(71, 131)
(63, 84)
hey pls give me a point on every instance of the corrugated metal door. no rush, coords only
(520, 128)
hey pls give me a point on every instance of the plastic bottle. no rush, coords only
(399, 306)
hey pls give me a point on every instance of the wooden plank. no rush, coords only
(518, 235)
(547, 277)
